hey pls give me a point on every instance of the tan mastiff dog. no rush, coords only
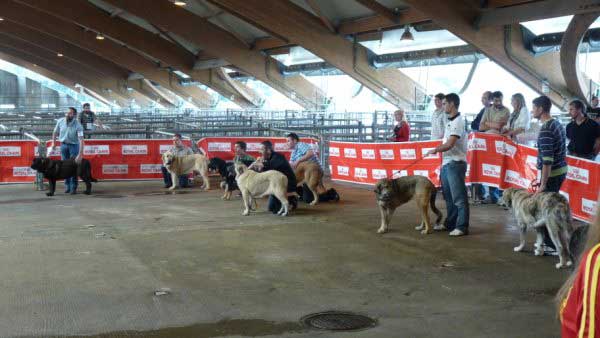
(310, 173)
(392, 193)
(181, 165)
(255, 185)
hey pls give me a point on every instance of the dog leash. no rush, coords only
(533, 186)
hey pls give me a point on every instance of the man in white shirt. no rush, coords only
(454, 169)
(438, 118)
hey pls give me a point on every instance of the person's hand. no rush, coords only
(431, 152)
(78, 158)
(293, 164)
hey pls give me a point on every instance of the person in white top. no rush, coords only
(454, 169)
(519, 120)
(438, 118)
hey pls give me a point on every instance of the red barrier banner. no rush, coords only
(223, 147)
(15, 160)
(368, 162)
(493, 160)
(124, 159)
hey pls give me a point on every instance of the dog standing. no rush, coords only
(54, 170)
(227, 172)
(181, 165)
(392, 193)
(253, 184)
(310, 173)
(549, 209)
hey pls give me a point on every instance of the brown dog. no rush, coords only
(310, 173)
(391, 194)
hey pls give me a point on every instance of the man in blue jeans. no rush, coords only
(70, 135)
(454, 169)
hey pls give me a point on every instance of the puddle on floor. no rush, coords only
(224, 328)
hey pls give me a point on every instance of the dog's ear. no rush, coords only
(240, 169)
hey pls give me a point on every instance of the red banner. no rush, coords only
(493, 160)
(223, 147)
(124, 159)
(15, 160)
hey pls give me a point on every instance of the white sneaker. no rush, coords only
(420, 227)
(439, 227)
(456, 233)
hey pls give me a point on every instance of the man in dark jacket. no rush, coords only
(271, 160)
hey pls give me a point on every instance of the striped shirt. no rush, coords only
(578, 311)
(552, 147)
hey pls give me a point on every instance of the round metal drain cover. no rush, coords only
(108, 196)
(338, 321)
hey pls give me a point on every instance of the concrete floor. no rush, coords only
(87, 265)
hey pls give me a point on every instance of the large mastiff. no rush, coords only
(392, 193)
(182, 165)
(253, 184)
(54, 170)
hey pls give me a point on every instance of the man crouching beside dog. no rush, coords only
(454, 168)
(178, 149)
(308, 171)
(271, 160)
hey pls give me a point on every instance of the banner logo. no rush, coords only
(425, 150)
(253, 146)
(115, 169)
(399, 173)
(491, 170)
(588, 206)
(514, 177)
(564, 194)
(477, 144)
(343, 171)
(10, 151)
(163, 148)
(360, 172)
(96, 149)
(386, 154)
(379, 173)
(349, 153)
(505, 148)
(334, 151)
(368, 154)
(219, 146)
(23, 172)
(421, 173)
(578, 174)
(408, 154)
(281, 147)
(150, 168)
(134, 149)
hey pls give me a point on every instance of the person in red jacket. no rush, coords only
(579, 298)
(402, 128)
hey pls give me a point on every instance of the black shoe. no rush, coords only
(334, 195)
(167, 186)
(293, 202)
(73, 192)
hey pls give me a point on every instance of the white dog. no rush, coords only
(253, 184)
(181, 165)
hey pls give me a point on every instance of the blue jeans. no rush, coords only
(183, 179)
(69, 151)
(494, 193)
(455, 194)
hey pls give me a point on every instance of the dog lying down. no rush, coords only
(392, 193)
(54, 170)
(549, 209)
(255, 185)
(181, 165)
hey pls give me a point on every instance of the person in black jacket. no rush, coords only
(271, 160)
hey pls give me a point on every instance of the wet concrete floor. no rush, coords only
(74, 266)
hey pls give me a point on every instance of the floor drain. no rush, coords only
(109, 196)
(338, 321)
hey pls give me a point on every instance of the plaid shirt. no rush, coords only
(301, 150)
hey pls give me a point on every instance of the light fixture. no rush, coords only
(1, 19)
(59, 55)
(407, 35)
(99, 37)
(179, 3)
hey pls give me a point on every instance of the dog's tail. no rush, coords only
(438, 213)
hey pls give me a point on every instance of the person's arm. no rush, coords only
(547, 154)
(483, 123)
(54, 134)
(449, 144)
(309, 154)
(404, 132)
(81, 143)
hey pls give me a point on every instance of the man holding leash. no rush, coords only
(454, 168)
(70, 135)
(178, 149)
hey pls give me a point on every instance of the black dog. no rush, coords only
(227, 172)
(54, 170)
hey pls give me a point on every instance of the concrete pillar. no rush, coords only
(21, 99)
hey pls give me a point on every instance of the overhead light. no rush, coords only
(407, 35)
(179, 3)
(59, 55)
(34, 65)
(99, 37)
(1, 19)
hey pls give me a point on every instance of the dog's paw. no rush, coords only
(518, 248)
(420, 227)
(49, 194)
(561, 265)
(313, 203)
(426, 232)
(381, 231)
(245, 212)
(538, 252)
(172, 188)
